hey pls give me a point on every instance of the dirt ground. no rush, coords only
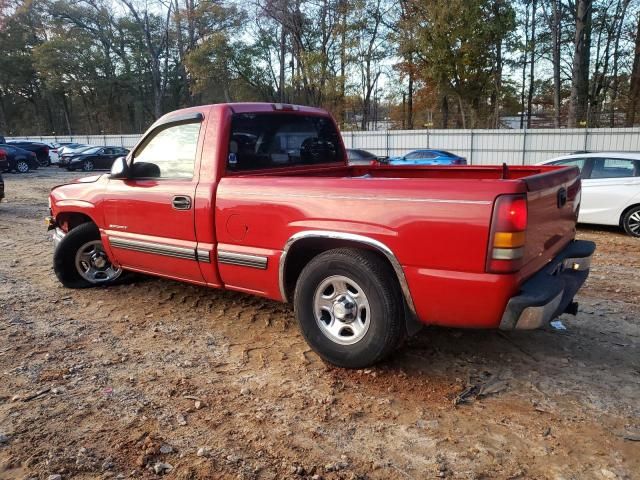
(162, 378)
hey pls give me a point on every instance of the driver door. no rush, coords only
(149, 216)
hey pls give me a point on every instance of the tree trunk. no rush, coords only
(445, 112)
(283, 51)
(634, 83)
(410, 98)
(579, 98)
(556, 37)
(524, 68)
(532, 46)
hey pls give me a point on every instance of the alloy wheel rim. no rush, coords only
(93, 264)
(22, 167)
(341, 310)
(88, 165)
(634, 222)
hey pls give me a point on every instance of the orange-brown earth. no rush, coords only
(159, 376)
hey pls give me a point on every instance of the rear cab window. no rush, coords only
(261, 141)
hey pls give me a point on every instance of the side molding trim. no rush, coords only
(351, 237)
(242, 259)
(152, 247)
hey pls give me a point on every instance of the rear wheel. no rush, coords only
(349, 307)
(22, 166)
(631, 222)
(44, 162)
(80, 260)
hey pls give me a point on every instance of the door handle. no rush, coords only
(181, 202)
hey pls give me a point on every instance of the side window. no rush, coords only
(612, 168)
(574, 162)
(414, 156)
(171, 153)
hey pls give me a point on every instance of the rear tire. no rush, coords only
(349, 307)
(79, 261)
(631, 222)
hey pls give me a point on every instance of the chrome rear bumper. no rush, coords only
(549, 292)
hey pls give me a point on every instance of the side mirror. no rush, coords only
(120, 168)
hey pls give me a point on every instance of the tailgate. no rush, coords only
(553, 199)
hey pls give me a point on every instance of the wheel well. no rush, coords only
(624, 212)
(70, 220)
(304, 250)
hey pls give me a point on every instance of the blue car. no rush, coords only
(428, 157)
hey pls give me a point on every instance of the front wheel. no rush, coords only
(87, 166)
(80, 260)
(22, 166)
(349, 307)
(631, 222)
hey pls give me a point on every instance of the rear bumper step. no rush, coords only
(550, 292)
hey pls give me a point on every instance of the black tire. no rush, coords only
(88, 166)
(43, 162)
(64, 257)
(378, 281)
(631, 221)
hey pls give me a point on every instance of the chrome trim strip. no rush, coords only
(203, 256)
(242, 259)
(354, 197)
(154, 248)
(352, 237)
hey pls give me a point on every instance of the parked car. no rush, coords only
(70, 148)
(95, 158)
(18, 159)
(2, 139)
(4, 162)
(427, 157)
(361, 157)
(1, 187)
(611, 188)
(53, 153)
(40, 149)
(365, 259)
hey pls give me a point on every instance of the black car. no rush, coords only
(94, 158)
(1, 187)
(360, 157)
(40, 149)
(18, 159)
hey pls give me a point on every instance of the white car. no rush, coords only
(610, 188)
(53, 153)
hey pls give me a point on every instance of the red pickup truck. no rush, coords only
(259, 198)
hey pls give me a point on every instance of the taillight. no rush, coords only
(46, 150)
(508, 234)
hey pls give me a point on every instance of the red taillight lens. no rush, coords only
(46, 150)
(508, 234)
(511, 213)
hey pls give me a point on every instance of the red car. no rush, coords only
(259, 198)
